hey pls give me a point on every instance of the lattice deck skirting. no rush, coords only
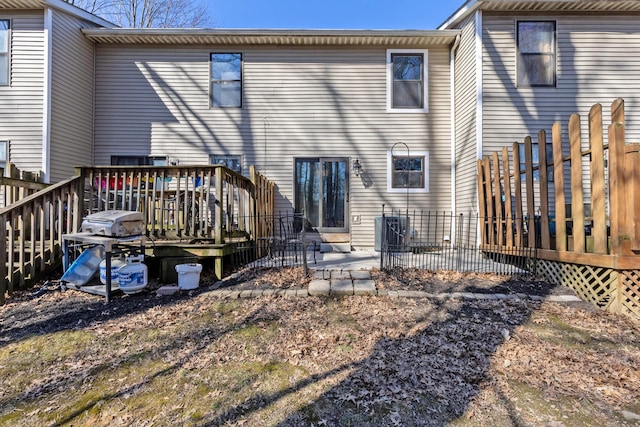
(617, 291)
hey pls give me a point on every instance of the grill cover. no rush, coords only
(114, 223)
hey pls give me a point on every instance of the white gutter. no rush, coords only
(452, 91)
(46, 96)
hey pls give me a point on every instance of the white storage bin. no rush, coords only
(188, 275)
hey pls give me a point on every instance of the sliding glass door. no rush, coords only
(322, 192)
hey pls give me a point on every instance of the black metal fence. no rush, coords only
(445, 241)
(283, 243)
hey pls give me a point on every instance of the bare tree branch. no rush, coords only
(150, 13)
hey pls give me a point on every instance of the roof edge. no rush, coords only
(77, 12)
(266, 36)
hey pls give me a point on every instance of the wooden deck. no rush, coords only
(582, 223)
(197, 210)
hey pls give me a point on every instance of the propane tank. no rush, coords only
(133, 277)
(116, 264)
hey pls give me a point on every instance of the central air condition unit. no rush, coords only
(394, 233)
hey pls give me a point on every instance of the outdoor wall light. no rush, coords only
(357, 169)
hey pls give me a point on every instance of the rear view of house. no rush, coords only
(333, 117)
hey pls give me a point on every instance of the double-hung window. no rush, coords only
(408, 172)
(226, 80)
(5, 51)
(407, 81)
(536, 50)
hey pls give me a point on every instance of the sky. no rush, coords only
(332, 14)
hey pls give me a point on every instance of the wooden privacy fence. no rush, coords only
(205, 203)
(589, 242)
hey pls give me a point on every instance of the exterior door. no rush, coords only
(322, 193)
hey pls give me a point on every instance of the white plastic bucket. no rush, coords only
(188, 275)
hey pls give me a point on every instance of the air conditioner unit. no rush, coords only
(394, 233)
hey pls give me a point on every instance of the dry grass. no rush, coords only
(66, 359)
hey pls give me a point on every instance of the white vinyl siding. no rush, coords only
(466, 136)
(297, 102)
(71, 97)
(598, 61)
(21, 103)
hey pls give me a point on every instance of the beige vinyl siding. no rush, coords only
(298, 102)
(598, 61)
(466, 93)
(21, 105)
(71, 97)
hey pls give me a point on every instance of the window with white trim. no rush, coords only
(5, 52)
(139, 161)
(536, 50)
(4, 156)
(407, 81)
(226, 80)
(408, 172)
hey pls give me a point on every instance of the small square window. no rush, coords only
(5, 51)
(226, 80)
(408, 172)
(138, 161)
(536, 50)
(407, 81)
(232, 162)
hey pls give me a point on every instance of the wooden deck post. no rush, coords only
(219, 238)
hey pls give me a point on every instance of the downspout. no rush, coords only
(452, 91)
(93, 109)
(479, 111)
(46, 96)
(479, 89)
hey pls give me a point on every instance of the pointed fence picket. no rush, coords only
(582, 222)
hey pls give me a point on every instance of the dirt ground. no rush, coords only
(323, 361)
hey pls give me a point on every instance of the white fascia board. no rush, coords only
(463, 11)
(78, 13)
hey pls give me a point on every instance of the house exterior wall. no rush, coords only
(21, 103)
(297, 102)
(597, 61)
(71, 96)
(466, 102)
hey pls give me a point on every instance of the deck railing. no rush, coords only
(579, 213)
(190, 203)
(32, 230)
(16, 184)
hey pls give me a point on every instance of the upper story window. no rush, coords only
(536, 41)
(408, 172)
(5, 54)
(407, 81)
(226, 80)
